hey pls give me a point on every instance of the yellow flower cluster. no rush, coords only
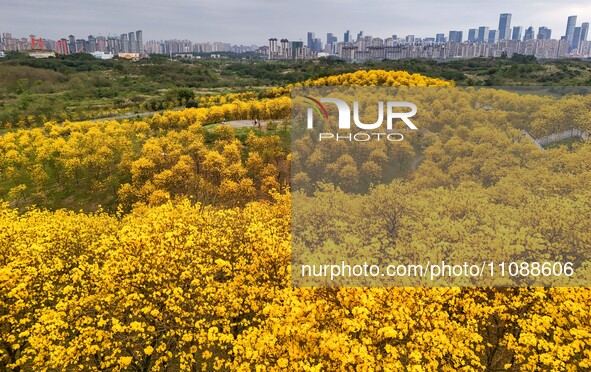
(376, 78)
(176, 284)
(181, 286)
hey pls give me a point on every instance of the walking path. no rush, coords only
(246, 123)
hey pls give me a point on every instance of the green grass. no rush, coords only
(568, 142)
(53, 196)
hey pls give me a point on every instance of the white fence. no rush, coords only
(555, 137)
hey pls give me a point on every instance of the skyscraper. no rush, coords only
(297, 48)
(584, 31)
(570, 29)
(317, 45)
(493, 36)
(347, 36)
(483, 32)
(440, 38)
(576, 39)
(72, 44)
(472, 35)
(101, 44)
(140, 41)
(132, 43)
(124, 44)
(504, 26)
(529, 34)
(330, 39)
(81, 46)
(517, 33)
(91, 44)
(455, 36)
(285, 52)
(61, 46)
(311, 37)
(273, 48)
(544, 33)
(114, 44)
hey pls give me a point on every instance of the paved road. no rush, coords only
(233, 124)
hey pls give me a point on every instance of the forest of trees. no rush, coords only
(189, 264)
(80, 87)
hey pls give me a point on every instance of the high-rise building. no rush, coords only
(61, 46)
(576, 39)
(311, 37)
(584, 31)
(410, 39)
(49, 44)
(132, 43)
(544, 33)
(517, 33)
(317, 45)
(483, 32)
(140, 41)
(114, 44)
(91, 44)
(273, 48)
(10, 43)
(81, 46)
(376, 42)
(124, 44)
(504, 26)
(570, 29)
(101, 44)
(330, 39)
(347, 36)
(297, 49)
(440, 38)
(472, 35)
(72, 44)
(493, 36)
(285, 52)
(36, 43)
(529, 34)
(359, 35)
(455, 36)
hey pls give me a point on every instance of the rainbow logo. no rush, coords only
(318, 107)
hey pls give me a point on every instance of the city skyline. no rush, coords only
(253, 21)
(481, 42)
(481, 34)
(504, 40)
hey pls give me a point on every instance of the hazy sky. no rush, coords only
(255, 21)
